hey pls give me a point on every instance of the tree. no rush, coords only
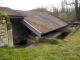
(72, 16)
(63, 16)
(68, 8)
(55, 11)
(77, 9)
(63, 7)
(42, 9)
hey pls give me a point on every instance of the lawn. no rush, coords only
(65, 50)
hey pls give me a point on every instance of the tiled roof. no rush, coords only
(9, 11)
(42, 21)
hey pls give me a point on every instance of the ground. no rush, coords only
(65, 50)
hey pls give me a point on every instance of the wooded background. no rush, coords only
(69, 10)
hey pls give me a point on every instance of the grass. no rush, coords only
(65, 50)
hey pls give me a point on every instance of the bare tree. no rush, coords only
(41, 9)
(68, 7)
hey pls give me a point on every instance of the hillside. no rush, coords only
(69, 50)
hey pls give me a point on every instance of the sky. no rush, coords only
(29, 4)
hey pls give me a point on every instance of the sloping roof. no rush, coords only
(39, 22)
(42, 21)
(10, 12)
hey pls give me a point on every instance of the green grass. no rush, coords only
(65, 50)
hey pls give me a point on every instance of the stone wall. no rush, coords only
(3, 34)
